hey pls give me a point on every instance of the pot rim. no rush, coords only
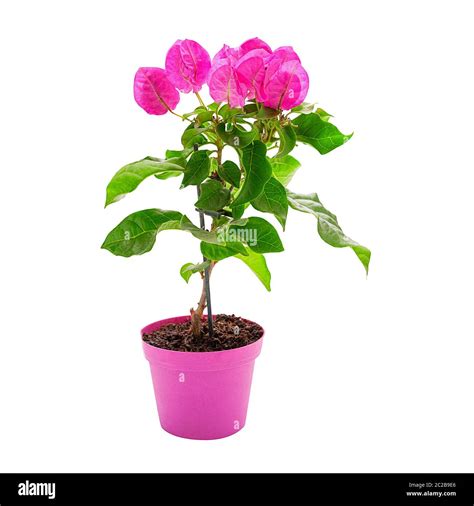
(173, 319)
(198, 360)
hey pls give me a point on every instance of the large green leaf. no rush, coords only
(273, 200)
(328, 227)
(257, 233)
(257, 172)
(214, 196)
(230, 172)
(257, 263)
(130, 176)
(187, 270)
(284, 168)
(235, 135)
(312, 129)
(287, 141)
(197, 168)
(220, 251)
(136, 234)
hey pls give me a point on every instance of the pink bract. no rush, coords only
(274, 62)
(252, 44)
(187, 65)
(153, 91)
(287, 87)
(251, 73)
(225, 86)
(226, 55)
(285, 53)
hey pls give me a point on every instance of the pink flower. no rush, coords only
(287, 87)
(242, 75)
(285, 53)
(187, 65)
(252, 44)
(232, 55)
(225, 86)
(153, 91)
(286, 82)
(226, 55)
(277, 59)
(251, 72)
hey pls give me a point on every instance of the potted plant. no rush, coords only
(236, 152)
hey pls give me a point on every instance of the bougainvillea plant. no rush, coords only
(236, 151)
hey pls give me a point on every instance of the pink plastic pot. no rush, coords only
(201, 395)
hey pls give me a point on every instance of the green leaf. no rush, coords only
(167, 175)
(230, 172)
(136, 234)
(273, 200)
(260, 112)
(213, 196)
(196, 111)
(259, 235)
(328, 227)
(178, 153)
(130, 176)
(197, 168)
(235, 135)
(287, 142)
(238, 211)
(204, 116)
(226, 112)
(267, 112)
(193, 135)
(284, 168)
(188, 226)
(304, 108)
(257, 172)
(320, 134)
(251, 109)
(325, 116)
(258, 265)
(220, 252)
(187, 270)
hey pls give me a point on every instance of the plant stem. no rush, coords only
(200, 99)
(205, 300)
(179, 115)
(219, 153)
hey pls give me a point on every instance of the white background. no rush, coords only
(355, 375)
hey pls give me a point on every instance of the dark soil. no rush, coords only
(230, 332)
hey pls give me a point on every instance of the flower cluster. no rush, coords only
(251, 71)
